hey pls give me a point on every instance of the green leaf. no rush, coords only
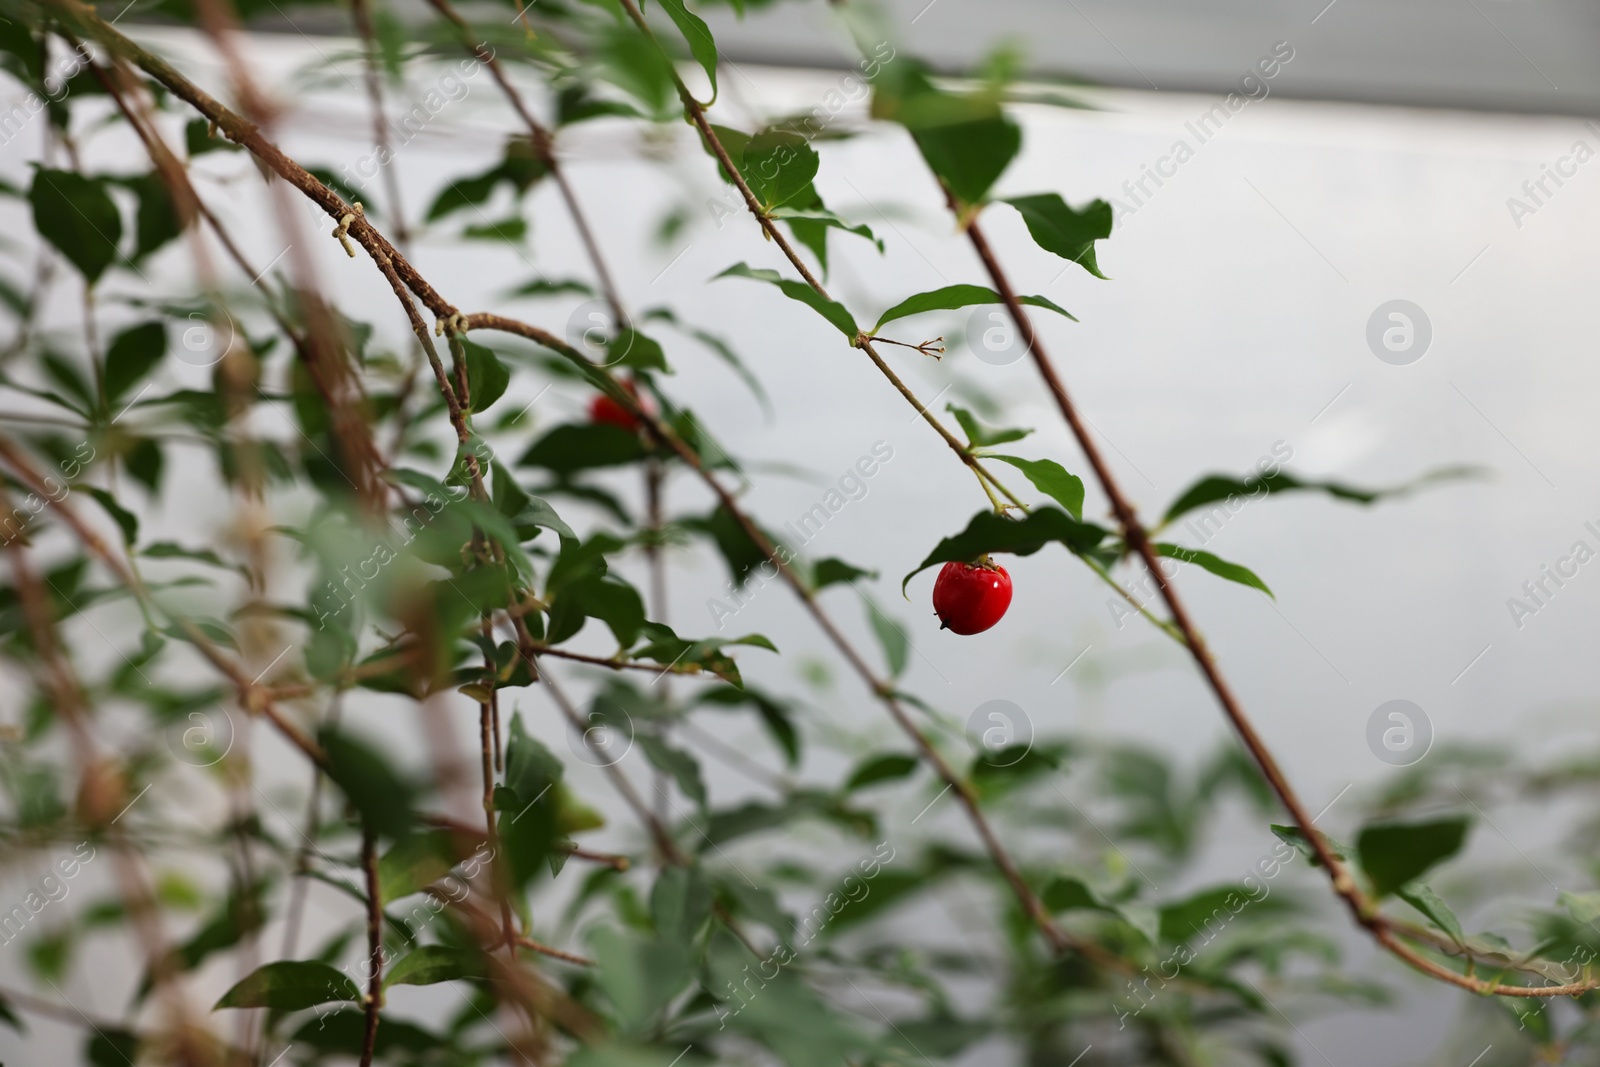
(126, 520)
(680, 903)
(76, 215)
(1050, 478)
(69, 378)
(145, 462)
(487, 377)
(1217, 487)
(1583, 907)
(464, 193)
(198, 140)
(698, 35)
(156, 221)
(609, 598)
(831, 571)
(574, 447)
(340, 1033)
(11, 1018)
(18, 41)
(677, 763)
(1067, 893)
(668, 649)
(756, 817)
(1395, 853)
(530, 804)
(831, 310)
(874, 770)
(1424, 899)
(414, 863)
(958, 296)
(538, 514)
(112, 1048)
(1530, 1015)
(1212, 910)
(996, 772)
(775, 716)
(721, 349)
(739, 551)
(889, 889)
(1057, 228)
(432, 964)
(374, 789)
(574, 104)
(969, 155)
(799, 219)
(891, 638)
(778, 165)
(979, 435)
(1233, 572)
(639, 975)
(290, 985)
(542, 286)
(1293, 835)
(512, 230)
(531, 768)
(630, 348)
(133, 353)
(639, 66)
(989, 532)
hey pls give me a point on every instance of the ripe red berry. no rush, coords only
(604, 409)
(969, 599)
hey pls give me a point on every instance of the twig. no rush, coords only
(554, 953)
(1362, 908)
(543, 142)
(362, 17)
(488, 715)
(881, 688)
(609, 859)
(374, 999)
(770, 228)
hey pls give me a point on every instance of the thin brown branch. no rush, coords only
(543, 142)
(769, 227)
(882, 688)
(64, 1013)
(609, 859)
(1362, 908)
(665, 845)
(362, 16)
(1138, 540)
(374, 997)
(255, 698)
(553, 953)
(246, 133)
(488, 713)
(102, 792)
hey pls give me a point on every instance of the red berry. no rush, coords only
(604, 409)
(971, 599)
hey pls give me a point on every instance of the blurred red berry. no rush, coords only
(604, 409)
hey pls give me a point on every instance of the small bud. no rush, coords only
(101, 793)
